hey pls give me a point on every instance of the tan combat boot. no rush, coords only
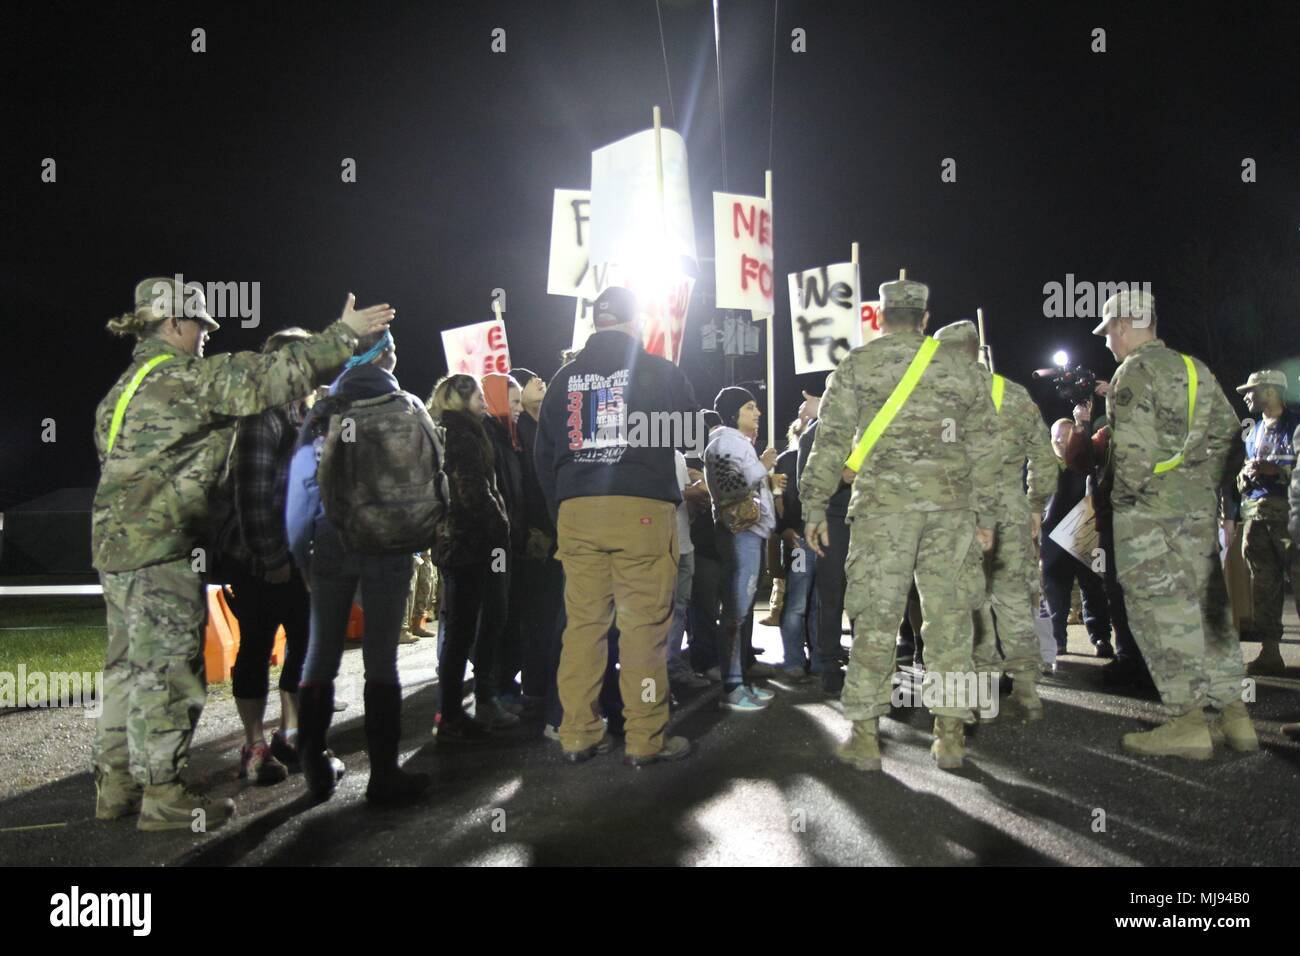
(1025, 696)
(116, 794)
(949, 748)
(175, 806)
(1186, 736)
(862, 750)
(773, 618)
(1233, 725)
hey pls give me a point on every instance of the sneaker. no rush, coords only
(116, 794)
(1105, 651)
(758, 693)
(285, 752)
(740, 699)
(491, 714)
(603, 746)
(177, 806)
(257, 764)
(674, 748)
(551, 733)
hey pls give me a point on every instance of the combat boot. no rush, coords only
(321, 769)
(389, 783)
(1024, 695)
(176, 806)
(116, 794)
(1234, 726)
(776, 605)
(1186, 736)
(949, 747)
(862, 750)
(1269, 663)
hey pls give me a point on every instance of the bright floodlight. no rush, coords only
(1061, 358)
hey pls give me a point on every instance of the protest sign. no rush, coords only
(662, 309)
(742, 244)
(1077, 532)
(629, 222)
(870, 321)
(477, 349)
(569, 271)
(825, 316)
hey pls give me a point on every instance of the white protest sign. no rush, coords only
(626, 223)
(569, 271)
(870, 321)
(742, 249)
(825, 316)
(662, 310)
(1077, 532)
(477, 349)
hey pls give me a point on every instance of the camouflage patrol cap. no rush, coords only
(1137, 305)
(1268, 376)
(904, 294)
(959, 333)
(168, 297)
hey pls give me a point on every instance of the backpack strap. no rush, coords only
(894, 404)
(128, 393)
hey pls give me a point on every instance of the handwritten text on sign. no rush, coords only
(477, 349)
(870, 321)
(742, 242)
(569, 271)
(825, 316)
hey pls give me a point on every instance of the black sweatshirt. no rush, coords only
(579, 452)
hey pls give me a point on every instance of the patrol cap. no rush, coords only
(614, 306)
(959, 333)
(1268, 376)
(1136, 304)
(168, 297)
(904, 294)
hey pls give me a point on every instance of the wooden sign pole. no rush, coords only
(771, 343)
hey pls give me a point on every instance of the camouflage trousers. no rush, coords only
(422, 599)
(886, 552)
(154, 683)
(1178, 611)
(1271, 557)
(1011, 592)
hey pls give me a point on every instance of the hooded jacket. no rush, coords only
(587, 442)
(476, 523)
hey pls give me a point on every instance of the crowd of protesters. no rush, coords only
(587, 578)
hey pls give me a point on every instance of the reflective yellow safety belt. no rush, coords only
(1169, 464)
(897, 398)
(999, 386)
(119, 412)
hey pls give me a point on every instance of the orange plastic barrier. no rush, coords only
(221, 640)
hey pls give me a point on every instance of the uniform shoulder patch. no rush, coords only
(1124, 396)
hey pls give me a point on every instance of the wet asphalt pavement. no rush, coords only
(760, 789)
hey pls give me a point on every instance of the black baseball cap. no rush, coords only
(614, 306)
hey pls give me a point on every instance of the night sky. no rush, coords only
(225, 166)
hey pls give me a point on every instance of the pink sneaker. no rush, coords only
(257, 764)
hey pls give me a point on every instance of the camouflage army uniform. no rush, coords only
(148, 519)
(913, 510)
(423, 597)
(1166, 543)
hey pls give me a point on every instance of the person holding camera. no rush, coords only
(163, 433)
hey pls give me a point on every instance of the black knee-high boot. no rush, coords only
(389, 783)
(320, 767)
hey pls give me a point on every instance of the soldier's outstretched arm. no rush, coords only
(1135, 441)
(837, 425)
(247, 383)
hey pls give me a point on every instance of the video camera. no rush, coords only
(1074, 383)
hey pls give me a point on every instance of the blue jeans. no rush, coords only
(742, 557)
(798, 618)
(385, 581)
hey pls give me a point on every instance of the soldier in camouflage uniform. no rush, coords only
(1168, 467)
(1012, 565)
(920, 503)
(162, 450)
(421, 601)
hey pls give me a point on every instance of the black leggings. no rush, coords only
(261, 608)
(475, 608)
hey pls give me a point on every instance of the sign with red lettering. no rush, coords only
(477, 349)
(742, 249)
(663, 305)
(870, 321)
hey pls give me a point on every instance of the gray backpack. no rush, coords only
(381, 478)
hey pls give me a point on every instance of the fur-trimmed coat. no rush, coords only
(476, 522)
